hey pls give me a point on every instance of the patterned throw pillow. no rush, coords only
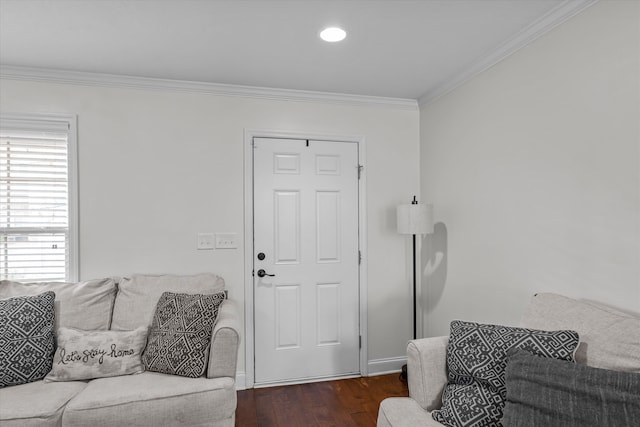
(476, 362)
(27, 339)
(83, 355)
(180, 334)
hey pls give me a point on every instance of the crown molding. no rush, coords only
(555, 17)
(131, 82)
(564, 11)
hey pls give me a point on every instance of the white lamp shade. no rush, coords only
(415, 219)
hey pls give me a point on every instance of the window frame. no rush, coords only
(42, 122)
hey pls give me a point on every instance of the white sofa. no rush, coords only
(609, 339)
(145, 399)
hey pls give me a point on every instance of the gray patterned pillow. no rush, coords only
(549, 392)
(27, 339)
(476, 362)
(180, 334)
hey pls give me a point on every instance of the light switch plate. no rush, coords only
(226, 240)
(206, 241)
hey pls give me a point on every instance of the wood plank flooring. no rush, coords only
(340, 403)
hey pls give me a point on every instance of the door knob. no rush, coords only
(262, 273)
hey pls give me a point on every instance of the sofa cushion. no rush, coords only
(153, 399)
(476, 360)
(82, 305)
(549, 392)
(609, 338)
(180, 334)
(138, 295)
(36, 404)
(403, 412)
(83, 355)
(27, 341)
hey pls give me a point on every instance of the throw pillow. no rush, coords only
(180, 333)
(476, 361)
(83, 355)
(550, 392)
(27, 340)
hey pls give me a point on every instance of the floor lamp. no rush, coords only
(414, 219)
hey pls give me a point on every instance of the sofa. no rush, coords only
(125, 391)
(597, 384)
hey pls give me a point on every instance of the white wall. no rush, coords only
(534, 170)
(158, 166)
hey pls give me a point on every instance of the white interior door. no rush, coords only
(306, 310)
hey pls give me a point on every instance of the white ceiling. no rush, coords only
(394, 48)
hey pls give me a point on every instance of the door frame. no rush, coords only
(249, 135)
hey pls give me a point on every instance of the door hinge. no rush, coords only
(359, 257)
(360, 167)
(359, 341)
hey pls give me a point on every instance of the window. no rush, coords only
(38, 221)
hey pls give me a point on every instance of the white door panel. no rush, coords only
(306, 225)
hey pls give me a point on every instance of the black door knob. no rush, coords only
(262, 273)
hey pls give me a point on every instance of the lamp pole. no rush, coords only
(414, 202)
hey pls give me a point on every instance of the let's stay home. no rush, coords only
(88, 355)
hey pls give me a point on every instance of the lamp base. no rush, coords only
(403, 373)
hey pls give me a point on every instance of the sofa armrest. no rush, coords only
(427, 370)
(225, 341)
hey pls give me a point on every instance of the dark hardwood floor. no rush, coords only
(340, 403)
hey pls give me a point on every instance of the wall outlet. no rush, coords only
(226, 240)
(206, 241)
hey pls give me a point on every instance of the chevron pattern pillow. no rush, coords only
(180, 333)
(27, 340)
(476, 362)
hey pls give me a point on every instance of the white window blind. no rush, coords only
(37, 198)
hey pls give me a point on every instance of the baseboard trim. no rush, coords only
(375, 367)
(241, 381)
(385, 366)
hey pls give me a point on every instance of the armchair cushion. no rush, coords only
(403, 412)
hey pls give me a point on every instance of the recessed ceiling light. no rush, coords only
(333, 34)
